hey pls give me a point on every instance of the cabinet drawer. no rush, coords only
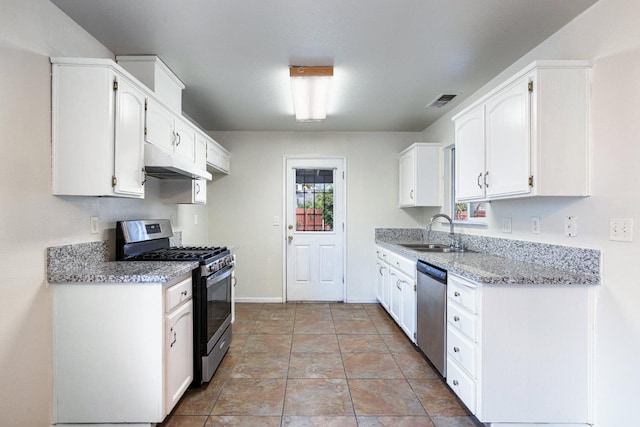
(462, 385)
(462, 320)
(462, 351)
(177, 294)
(405, 265)
(463, 292)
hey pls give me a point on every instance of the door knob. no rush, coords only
(290, 238)
(290, 227)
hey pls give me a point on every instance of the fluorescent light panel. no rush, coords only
(311, 87)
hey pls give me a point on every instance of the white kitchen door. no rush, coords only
(314, 229)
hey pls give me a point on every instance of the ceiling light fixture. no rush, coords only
(311, 87)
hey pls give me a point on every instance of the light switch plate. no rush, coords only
(506, 225)
(621, 229)
(571, 226)
(94, 225)
(535, 225)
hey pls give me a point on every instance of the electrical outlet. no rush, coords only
(535, 225)
(571, 226)
(276, 221)
(172, 220)
(506, 225)
(621, 229)
(94, 225)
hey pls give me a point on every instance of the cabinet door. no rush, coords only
(409, 305)
(407, 179)
(201, 151)
(395, 294)
(469, 157)
(507, 141)
(382, 280)
(200, 191)
(160, 127)
(179, 353)
(129, 140)
(185, 142)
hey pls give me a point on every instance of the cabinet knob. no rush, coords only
(183, 293)
(456, 318)
(456, 294)
(486, 174)
(411, 194)
(456, 350)
(478, 180)
(455, 382)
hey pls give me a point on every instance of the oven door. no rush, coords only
(218, 305)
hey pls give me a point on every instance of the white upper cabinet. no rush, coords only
(185, 144)
(160, 127)
(420, 175)
(218, 157)
(97, 130)
(528, 137)
(469, 134)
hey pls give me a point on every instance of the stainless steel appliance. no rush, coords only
(431, 336)
(148, 240)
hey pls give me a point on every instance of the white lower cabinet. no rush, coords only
(122, 352)
(521, 354)
(396, 289)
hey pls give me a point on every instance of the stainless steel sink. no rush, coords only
(430, 247)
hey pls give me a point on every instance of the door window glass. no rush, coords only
(314, 196)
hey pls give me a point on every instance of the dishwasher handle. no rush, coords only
(434, 272)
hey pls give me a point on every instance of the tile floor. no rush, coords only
(320, 365)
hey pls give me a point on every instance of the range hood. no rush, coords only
(159, 164)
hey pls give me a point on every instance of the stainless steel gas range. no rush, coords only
(148, 240)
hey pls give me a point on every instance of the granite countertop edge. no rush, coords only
(490, 269)
(122, 272)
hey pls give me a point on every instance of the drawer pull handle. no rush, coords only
(456, 350)
(455, 382)
(456, 294)
(184, 293)
(456, 319)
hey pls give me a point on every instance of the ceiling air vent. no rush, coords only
(441, 101)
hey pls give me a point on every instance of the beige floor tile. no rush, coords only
(437, 399)
(243, 327)
(413, 365)
(360, 314)
(456, 422)
(357, 326)
(277, 327)
(277, 314)
(261, 365)
(398, 343)
(398, 421)
(315, 343)
(200, 401)
(362, 344)
(242, 396)
(316, 365)
(237, 342)
(314, 315)
(317, 397)
(314, 327)
(319, 421)
(267, 343)
(371, 365)
(384, 397)
(242, 421)
(386, 327)
(184, 421)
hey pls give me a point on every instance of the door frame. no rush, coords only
(285, 158)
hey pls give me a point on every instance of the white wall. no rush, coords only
(243, 204)
(31, 218)
(609, 35)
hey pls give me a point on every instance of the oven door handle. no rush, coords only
(219, 276)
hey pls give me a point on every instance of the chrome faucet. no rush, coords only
(448, 218)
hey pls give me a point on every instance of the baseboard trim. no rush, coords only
(258, 300)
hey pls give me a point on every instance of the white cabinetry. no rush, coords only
(420, 175)
(122, 352)
(521, 353)
(184, 191)
(528, 137)
(218, 157)
(396, 288)
(172, 134)
(97, 130)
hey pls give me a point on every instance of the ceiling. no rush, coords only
(390, 58)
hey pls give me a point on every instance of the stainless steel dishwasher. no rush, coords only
(431, 334)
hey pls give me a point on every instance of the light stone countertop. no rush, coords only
(490, 269)
(123, 272)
